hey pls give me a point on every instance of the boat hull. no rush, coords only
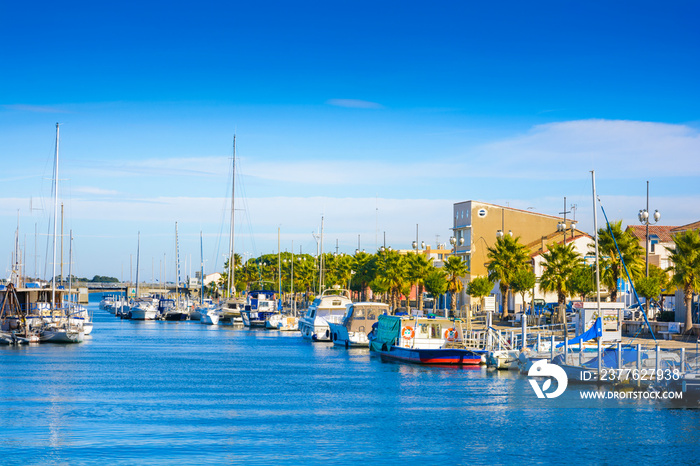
(254, 319)
(438, 356)
(282, 322)
(210, 318)
(142, 314)
(341, 337)
(62, 336)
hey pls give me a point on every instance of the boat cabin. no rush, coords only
(360, 317)
(417, 332)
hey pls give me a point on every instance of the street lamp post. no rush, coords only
(644, 219)
(561, 226)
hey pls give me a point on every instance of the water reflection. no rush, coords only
(173, 392)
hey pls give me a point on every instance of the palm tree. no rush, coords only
(393, 271)
(686, 269)
(631, 253)
(343, 270)
(304, 276)
(455, 268)
(364, 271)
(419, 268)
(560, 264)
(506, 257)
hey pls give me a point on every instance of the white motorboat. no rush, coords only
(230, 311)
(283, 322)
(210, 317)
(504, 359)
(329, 307)
(357, 324)
(143, 310)
(62, 334)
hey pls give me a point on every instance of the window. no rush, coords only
(653, 241)
(359, 313)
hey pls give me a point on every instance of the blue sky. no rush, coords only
(377, 115)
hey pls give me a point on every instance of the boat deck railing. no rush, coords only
(617, 363)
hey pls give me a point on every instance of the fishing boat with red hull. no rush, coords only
(422, 340)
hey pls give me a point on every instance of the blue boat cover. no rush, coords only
(629, 355)
(387, 333)
(596, 331)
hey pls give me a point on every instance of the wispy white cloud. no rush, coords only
(354, 103)
(155, 167)
(626, 148)
(94, 190)
(34, 108)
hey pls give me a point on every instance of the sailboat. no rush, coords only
(77, 314)
(206, 313)
(58, 329)
(141, 308)
(231, 308)
(181, 310)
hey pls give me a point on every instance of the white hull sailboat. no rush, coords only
(63, 334)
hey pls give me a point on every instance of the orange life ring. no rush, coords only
(407, 333)
(451, 334)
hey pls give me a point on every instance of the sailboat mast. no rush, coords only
(70, 264)
(55, 217)
(320, 270)
(595, 230)
(232, 257)
(138, 253)
(201, 272)
(177, 266)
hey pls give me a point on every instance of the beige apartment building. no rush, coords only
(476, 225)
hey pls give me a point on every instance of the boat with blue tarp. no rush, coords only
(423, 340)
(261, 305)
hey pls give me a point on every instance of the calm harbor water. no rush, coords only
(182, 392)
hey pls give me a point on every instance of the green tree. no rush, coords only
(479, 288)
(582, 282)
(392, 271)
(611, 260)
(559, 265)
(364, 271)
(506, 257)
(648, 288)
(686, 269)
(523, 282)
(436, 284)
(304, 276)
(456, 269)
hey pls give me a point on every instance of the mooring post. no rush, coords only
(658, 362)
(639, 365)
(600, 357)
(551, 349)
(682, 369)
